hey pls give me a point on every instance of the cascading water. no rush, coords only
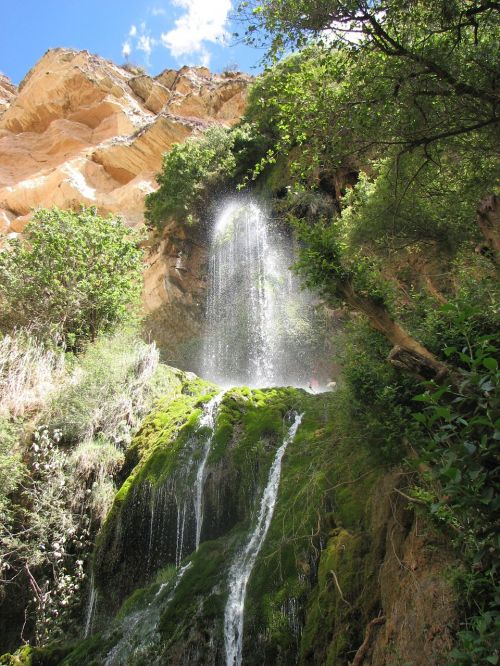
(257, 316)
(241, 568)
(185, 491)
(142, 626)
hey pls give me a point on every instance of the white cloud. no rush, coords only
(126, 49)
(202, 22)
(145, 44)
(132, 31)
(158, 11)
(205, 59)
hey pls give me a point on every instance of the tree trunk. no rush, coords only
(408, 354)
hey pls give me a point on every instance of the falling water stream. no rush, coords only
(256, 312)
(243, 564)
(255, 316)
(91, 607)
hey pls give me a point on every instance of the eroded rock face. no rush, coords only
(81, 130)
(7, 93)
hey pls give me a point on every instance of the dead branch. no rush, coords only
(409, 498)
(337, 585)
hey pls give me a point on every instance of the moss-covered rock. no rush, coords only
(140, 533)
(35, 656)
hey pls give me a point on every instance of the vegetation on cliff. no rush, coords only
(379, 146)
(72, 390)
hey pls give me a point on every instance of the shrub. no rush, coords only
(461, 452)
(12, 471)
(46, 541)
(73, 276)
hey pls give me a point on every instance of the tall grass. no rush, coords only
(29, 374)
(108, 391)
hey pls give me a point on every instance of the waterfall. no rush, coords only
(257, 317)
(208, 420)
(241, 568)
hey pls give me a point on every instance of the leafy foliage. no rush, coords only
(47, 538)
(12, 471)
(73, 276)
(442, 50)
(195, 171)
(57, 484)
(462, 453)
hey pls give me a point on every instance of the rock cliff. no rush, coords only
(81, 130)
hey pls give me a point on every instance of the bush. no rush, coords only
(461, 451)
(374, 400)
(12, 471)
(73, 276)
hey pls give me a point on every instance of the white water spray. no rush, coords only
(241, 568)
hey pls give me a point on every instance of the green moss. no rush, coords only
(197, 592)
(90, 651)
(320, 525)
(162, 435)
(35, 656)
(329, 626)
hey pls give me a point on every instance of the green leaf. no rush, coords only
(490, 363)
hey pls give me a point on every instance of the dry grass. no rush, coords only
(29, 374)
(107, 393)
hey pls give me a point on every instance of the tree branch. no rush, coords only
(460, 87)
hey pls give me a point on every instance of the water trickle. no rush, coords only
(241, 568)
(141, 634)
(173, 510)
(181, 524)
(207, 420)
(91, 608)
(256, 312)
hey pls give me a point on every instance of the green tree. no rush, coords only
(449, 49)
(72, 276)
(414, 83)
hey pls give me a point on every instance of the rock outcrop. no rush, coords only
(7, 93)
(81, 130)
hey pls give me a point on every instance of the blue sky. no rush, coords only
(156, 35)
